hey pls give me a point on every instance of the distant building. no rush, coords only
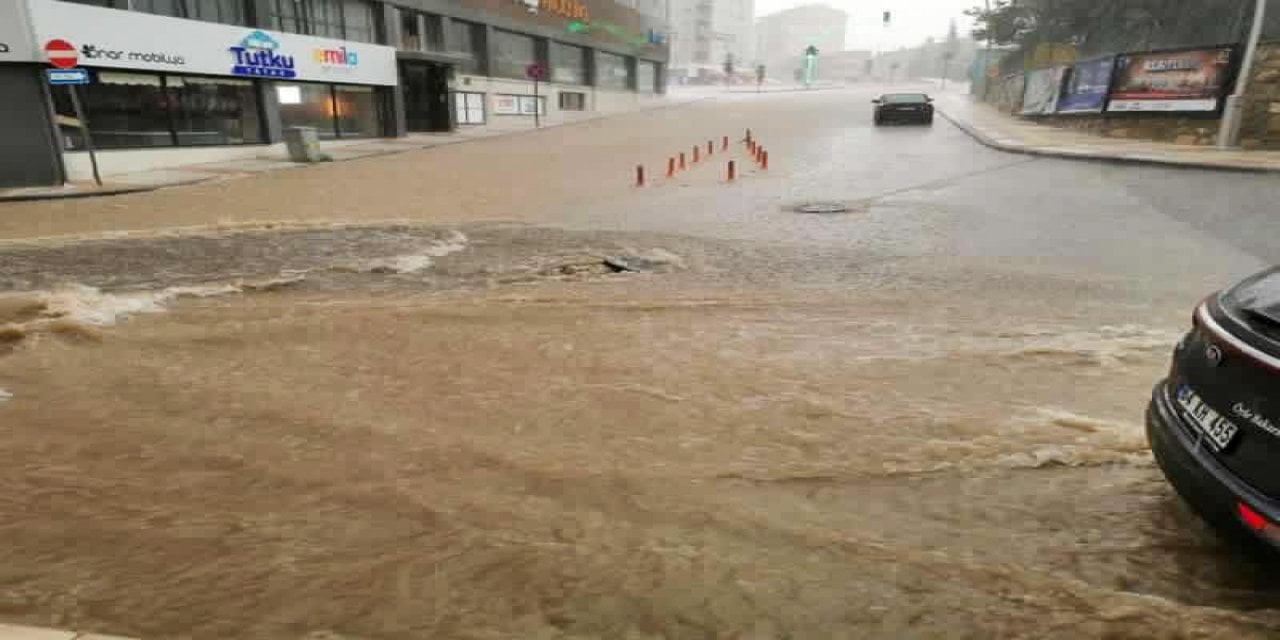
(782, 37)
(845, 66)
(704, 33)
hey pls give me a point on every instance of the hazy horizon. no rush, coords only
(912, 21)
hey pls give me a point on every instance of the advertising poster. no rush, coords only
(1173, 81)
(1040, 95)
(1085, 87)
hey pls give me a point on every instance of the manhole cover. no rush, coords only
(822, 207)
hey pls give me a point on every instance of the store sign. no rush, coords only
(1085, 89)
(111, 38)
(16, 44)
(513, 105)
(258, 55)
(1175, 81)
(572, 9)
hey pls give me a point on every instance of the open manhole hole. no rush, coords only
(822, 207)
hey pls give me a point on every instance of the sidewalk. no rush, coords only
(14, 632)
(1002, 131)
(275, 159)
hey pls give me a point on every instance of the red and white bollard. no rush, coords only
(639, 175)
(748, 136)
(724, 144)
(764, 161)
(695, 153)
(733, 171)
(711, 148)
(671, 167)
(682, 165)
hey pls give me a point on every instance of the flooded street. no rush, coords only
(569, 408)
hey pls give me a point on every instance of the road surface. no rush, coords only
(917, 418)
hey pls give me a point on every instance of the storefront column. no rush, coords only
(487, 47)
(270, 102)
(592, 74)
(393, 115)
(633, 73)
(260, 14)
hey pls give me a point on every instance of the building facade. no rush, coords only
(186, 81)
(782, 37)
(704, 33)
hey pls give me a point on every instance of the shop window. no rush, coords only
(568, 63)
(573, 101)
(513, 52)
(335, 111)
(339, 19)
(469, 107)
(214, 110)
(647, 76)
(356, 110)
(517, 105)
(467, 40)
(138, 110)
(612, 71)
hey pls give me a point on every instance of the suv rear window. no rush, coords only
(905, 98)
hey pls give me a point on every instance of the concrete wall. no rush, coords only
(28, 144)
(1261, 128)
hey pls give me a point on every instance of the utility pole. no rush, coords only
(1233, 110)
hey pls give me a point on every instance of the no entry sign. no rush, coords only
(61, 54)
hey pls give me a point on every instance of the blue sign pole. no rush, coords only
(71, 78)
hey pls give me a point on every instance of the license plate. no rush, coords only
(1219, 430)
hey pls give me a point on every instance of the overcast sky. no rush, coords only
(913, 20)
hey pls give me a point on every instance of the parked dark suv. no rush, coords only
(903, 107)
(1214, 423)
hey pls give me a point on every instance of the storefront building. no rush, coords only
(176, 82)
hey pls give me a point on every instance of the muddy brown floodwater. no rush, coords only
(484, 431)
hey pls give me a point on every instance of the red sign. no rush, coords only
(536, 71)
(62, 54)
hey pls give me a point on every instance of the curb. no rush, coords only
(1089, 156)
(119, 191)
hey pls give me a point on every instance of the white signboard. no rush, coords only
(131, 40)
(15, 33)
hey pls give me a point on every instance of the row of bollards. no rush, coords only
(681, 162)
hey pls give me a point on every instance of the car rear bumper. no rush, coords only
(905, 116)
(1203, 482)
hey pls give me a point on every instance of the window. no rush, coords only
(421, 31)
(224, 11)
(568, 64)
(340, 19)
(647, 76)
(573, 101)
(335, 111)
(469, 107)
(518, 105)
(468, 38)
(612, 71)
(513, 52)
(135, 110)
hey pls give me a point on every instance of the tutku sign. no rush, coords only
(117, 39)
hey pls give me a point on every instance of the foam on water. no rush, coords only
(5, 396)
(418, 261)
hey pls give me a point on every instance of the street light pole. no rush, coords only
(1233, 110)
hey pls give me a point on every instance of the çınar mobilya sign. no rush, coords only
(112, 38)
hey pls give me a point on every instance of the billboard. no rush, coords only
(1085, 88)
(117, 39)
(1176, 81)
(1040, 93)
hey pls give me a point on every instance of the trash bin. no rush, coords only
(303, 144)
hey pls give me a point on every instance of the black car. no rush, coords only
(903, 107)
(1214, 423)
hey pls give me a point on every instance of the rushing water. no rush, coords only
(486, 431)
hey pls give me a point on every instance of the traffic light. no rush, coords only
(811, 51)
(888, 17)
